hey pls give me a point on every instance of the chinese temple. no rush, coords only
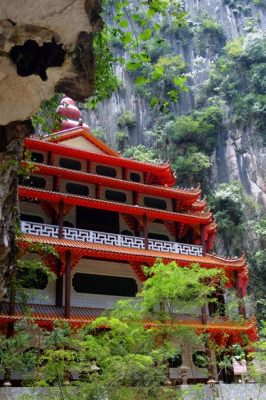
(107, 216)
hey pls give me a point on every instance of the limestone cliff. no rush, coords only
(237, 155)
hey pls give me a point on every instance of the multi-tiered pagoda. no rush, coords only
(107, 216)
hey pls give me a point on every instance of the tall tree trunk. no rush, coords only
(11, 151)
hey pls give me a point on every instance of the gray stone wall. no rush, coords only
(224, 392)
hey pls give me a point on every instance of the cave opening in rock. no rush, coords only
(32, 59)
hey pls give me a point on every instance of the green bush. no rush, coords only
(199, 128)
(191, 168)
(127, 120)
(158, 47)
(141, 153)
(121, 139)
(257, 78)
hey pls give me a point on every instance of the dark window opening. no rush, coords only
(105, 171)
(134, 177)
(75, 188)
(97, 220)
(68, 224)
(34, 181)
(175, 361)
(37, 157)
(155, 203)
(158, 236)
(32, 279)
(31, 218)
(126, 232)
(70, 164)
(200, 359)
(115, 196)
(105, 285)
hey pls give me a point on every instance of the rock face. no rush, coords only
(237, 156)
(45, 46)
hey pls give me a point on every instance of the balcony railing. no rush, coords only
(111, 239)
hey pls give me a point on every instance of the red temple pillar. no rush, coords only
(145, 231)
(242, 308)
(203, 241)
(61, 220)
(59, 280)
(67, 283)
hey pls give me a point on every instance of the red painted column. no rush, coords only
(67, 283)
(145, 231)
(242, 308)
(61, 220)
(59, 279)
(203, 241)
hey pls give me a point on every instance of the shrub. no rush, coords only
(192, 167)
(199, 128)
(121, 139)
(141, 153)
(127, 120)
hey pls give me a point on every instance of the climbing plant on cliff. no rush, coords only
(132, 26)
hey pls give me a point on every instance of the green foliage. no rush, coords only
(259, 3)
(239, 77)
(135, 29)
(191, 168)
(141, 153)
(127, 120)
(131, 356)
(13, 355)
(257, 78)
(207, 33)
(106, 82)
(158, 47)
(227, 205)
(192, 289)
(121, 139)
(200, 128)
(258, 366)
(46, 120)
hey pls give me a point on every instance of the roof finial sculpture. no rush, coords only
(72, 117)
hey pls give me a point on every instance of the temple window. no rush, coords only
(68, 224)
(158, 236)
(154, 202)
(105, 171)
(114, 195)
(175, 361)
(31, 218)
(37, 157)
(104, 285)
(135, 177)
(70, 164)
(34, 181)
(126, 232)
(75, 188)
(200, 359)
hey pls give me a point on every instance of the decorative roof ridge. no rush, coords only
(232, 260)
(107, 178)
(84, 131)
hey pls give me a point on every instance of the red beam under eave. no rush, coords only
(188, 196)
(38, 194)
(131, 255)
(162, 171)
